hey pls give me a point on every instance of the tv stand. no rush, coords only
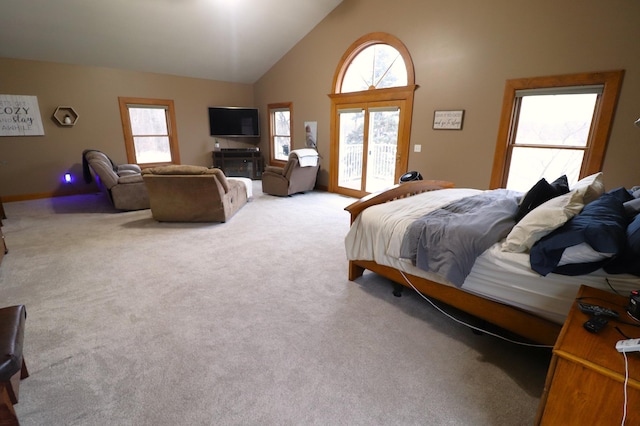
(239, 162)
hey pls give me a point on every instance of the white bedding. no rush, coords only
(377, 234)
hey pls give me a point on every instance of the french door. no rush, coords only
(371, 154)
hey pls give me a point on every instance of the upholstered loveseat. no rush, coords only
(183, 193)
(122, 183)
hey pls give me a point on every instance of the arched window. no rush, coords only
(375, 67)
(371, 109)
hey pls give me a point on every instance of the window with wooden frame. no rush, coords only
(371, 112)
(150, 132)
(552, 126)
(280, 132)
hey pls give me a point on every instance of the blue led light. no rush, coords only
(68, 178)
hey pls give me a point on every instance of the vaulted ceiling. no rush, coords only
(227, 40)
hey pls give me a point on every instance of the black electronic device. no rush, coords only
(410, 176)
(634, 305)
(233, 122)
(597, 310)
(595, 324)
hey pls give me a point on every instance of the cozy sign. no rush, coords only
(20, 116)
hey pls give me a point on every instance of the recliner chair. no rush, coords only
(298, 175)
(122, 183)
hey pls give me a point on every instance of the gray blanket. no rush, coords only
(448, 240)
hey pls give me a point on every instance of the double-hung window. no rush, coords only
(552, 126)
(280, 131)
(551, 134)
(149, 127)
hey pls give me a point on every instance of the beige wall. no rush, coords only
(32, 166)
(464, 51)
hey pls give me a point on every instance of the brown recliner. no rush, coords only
(122, 183)
(298, 175)
(183, 193)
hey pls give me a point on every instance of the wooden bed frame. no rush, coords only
(510, 318)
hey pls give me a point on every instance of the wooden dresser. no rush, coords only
(585, 382)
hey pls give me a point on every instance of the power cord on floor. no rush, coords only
(473, 327)
(626, 381)
(611, 287)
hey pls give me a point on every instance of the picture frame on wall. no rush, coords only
(311, 134)
(448, 119)
(20, 116)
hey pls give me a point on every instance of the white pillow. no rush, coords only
(592, 187)
(553, 214)
(542, 220)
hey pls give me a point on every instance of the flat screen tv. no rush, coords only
(234, 122)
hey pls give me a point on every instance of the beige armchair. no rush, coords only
(298, 175)
(122, 183)
(193, 194)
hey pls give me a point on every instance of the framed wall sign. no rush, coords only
(20, 116)
(448, 120)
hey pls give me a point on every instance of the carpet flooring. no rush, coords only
(249, 322)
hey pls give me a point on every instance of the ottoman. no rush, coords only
(248, 184)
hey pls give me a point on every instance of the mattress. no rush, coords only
(506, 277)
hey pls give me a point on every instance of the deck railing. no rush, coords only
(380, 164)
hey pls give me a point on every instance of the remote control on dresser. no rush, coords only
(597, 310)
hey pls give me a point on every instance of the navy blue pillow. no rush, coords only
(539, 193)
(621, 194)
(602, 224)
(629, 261)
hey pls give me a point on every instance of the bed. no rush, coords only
(501, 286)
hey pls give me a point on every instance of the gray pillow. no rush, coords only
(632, 208)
